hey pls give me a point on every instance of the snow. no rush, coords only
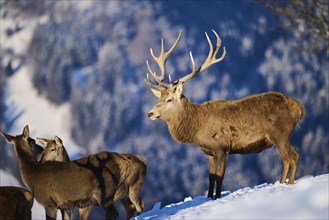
(14, 41)
(6, 179)
(308, 198)
(44, 118)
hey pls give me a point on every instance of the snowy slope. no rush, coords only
(307, 199)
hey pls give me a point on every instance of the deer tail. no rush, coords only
(301, 113)
(123, 177)
(299, 110)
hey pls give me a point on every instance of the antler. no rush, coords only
(155, 86)
(211, 59)
(161, 61)
(162, 58)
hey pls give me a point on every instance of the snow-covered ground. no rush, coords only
(307, 199)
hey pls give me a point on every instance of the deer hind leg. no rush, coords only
(84, 213)
(284, 149)
(106, 203)
(294, 164)
(134, 196)
(111, 212)
(66, 214)
(51, 213)
(129, 207)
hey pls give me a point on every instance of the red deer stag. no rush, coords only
(54, 150)
(223, 127)
(101, 178)
(15, 203)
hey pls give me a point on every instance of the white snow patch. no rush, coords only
(44, 118)
(19, 41)
(308, 198)
(6, 179)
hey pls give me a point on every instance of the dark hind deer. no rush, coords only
(223, 127)
(15, 203)
(101, 178)
(54, 150)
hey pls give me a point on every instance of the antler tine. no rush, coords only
(175, 44)
(155, 86)
(210, 60)
(218, 44)
(162, 84)
(162, 58)
(194, 71)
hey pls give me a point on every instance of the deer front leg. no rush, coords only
(212, 176)
(221, 161)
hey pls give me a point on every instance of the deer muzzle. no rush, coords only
(152, 115)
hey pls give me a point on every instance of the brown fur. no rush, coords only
(15, 203)
(220, 128)
(55, 151)
(96, 179)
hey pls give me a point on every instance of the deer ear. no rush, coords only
(179, 89)
(26, 132)
(28, 196)
(58, 141)
(43, 141)
(157, 93)
(8, 137)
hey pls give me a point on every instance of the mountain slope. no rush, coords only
(307, 199)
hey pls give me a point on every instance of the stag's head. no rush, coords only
(170, 94)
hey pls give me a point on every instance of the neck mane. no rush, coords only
(184, 126)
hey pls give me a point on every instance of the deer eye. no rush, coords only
(53, 149)
(169, 100)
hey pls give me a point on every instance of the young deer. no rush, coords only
(15, 203)
(101, 178)
(54, 150)
(220, 128)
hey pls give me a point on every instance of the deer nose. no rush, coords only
(150, 114)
